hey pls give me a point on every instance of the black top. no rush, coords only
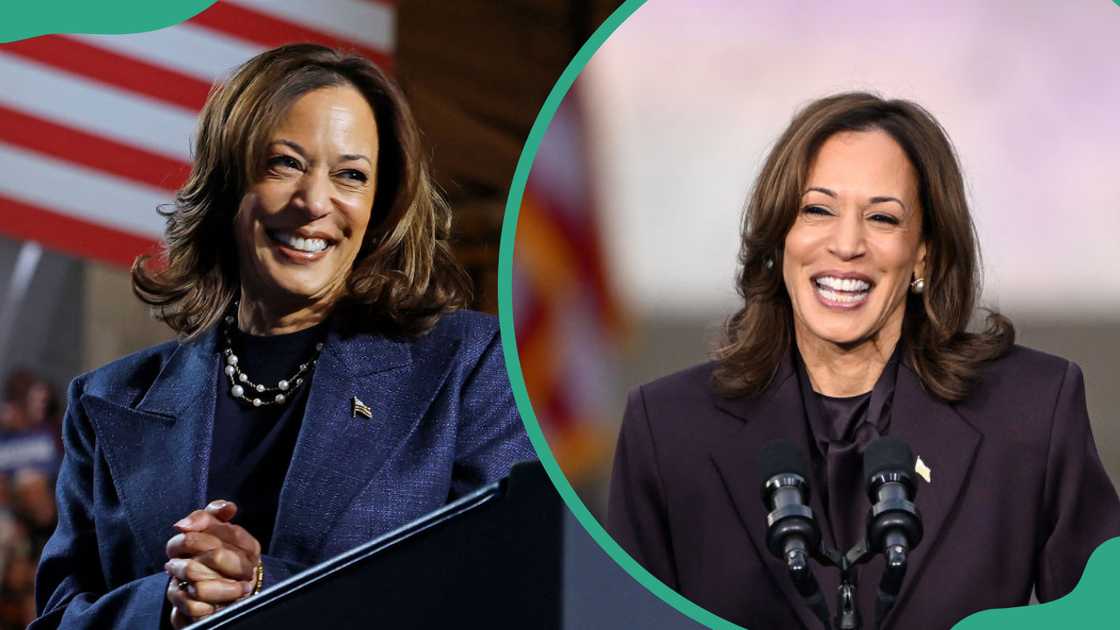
(840, 429)
(839, 463)
(252, 446)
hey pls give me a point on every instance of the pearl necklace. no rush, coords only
(261, 395)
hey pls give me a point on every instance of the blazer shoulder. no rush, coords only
(1028, 365)
(465, 324)
(127, 379)
(691, 382)
(1022, 384)
(474, 331)
(1024, 370)
(678, 395)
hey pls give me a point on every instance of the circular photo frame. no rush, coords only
(625, 258)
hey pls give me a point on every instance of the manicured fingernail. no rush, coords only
(219, 504)
(247, 588)
(186, 522)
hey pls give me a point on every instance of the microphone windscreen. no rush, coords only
(887, 454)
(781, 457)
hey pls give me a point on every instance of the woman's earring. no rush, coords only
(769, 262)
(918, 286)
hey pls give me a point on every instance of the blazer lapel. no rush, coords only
(339, 452)
(947, 444)
(775, 414)
(158, 452)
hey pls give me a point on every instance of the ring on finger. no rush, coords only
(184, 585)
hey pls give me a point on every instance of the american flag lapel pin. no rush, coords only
(359, 408)
(925, 472)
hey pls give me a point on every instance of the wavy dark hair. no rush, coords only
(944, 354)
(404, 277)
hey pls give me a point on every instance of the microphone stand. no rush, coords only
(803, 580)
(797, 560)
(897, 556)
(801, 574)
(847, 612)
(791, 534)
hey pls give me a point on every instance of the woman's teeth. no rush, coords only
(842, 290)
(309, 245)
(837, 296)
(843, 284)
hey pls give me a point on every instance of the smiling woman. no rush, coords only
(319, 160)
(850, 255)
(859, 274)
(282, 145)
(327, 386)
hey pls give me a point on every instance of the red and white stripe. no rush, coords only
(95, 130)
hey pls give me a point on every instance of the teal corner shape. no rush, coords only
(1088, 604)
(31, 18)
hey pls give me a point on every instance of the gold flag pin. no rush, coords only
(359, 408)
(923, 471)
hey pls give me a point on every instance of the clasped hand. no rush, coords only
(211, 561)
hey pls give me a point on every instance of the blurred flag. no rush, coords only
(567, 321)
(95, 130)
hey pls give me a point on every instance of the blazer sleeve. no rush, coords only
(70, 586)
(491, 437)
(1080, 506)
(277, 570)
(636, 509)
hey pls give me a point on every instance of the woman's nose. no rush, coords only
(847, 239)
(313, 195)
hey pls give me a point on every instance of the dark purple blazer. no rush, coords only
(1017, 497)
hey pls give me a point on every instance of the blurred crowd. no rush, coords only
(30, 451)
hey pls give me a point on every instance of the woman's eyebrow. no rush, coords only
(293, 144)
(885, 199)
(872, 201)
(355, 156)
(303, 152)
(820, 189)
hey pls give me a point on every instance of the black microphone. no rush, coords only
(792, 533)
(894, 526)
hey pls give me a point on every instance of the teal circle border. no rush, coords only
(509, 342)
(1086, 604)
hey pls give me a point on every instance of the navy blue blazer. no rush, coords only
(137, 436)
(1017, 498)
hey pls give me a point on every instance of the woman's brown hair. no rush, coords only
(942, 352)
(404, 277)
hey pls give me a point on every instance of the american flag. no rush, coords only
(95, 130)
(569, 327)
